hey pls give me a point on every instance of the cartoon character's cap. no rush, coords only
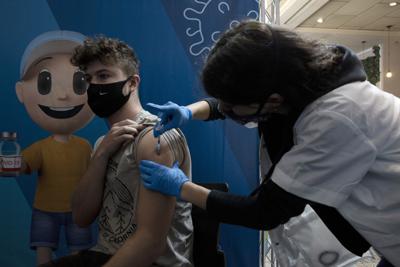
(48, 43)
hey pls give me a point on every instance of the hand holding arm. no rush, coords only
(173, 182)
(87, 197)
(161, 178)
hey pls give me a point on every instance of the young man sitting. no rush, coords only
(137, 227)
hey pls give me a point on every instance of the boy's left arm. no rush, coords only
(154, 214)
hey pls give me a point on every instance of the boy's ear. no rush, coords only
(135, 80)
(19, 92)
(134, 83)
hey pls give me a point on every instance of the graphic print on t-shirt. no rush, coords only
(116, 219)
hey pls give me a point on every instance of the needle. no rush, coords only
(158, 146)
(158, 126)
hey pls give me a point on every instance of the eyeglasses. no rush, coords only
(227, 110)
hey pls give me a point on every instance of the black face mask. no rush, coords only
(106, 99)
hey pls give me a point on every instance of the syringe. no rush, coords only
(158, 127)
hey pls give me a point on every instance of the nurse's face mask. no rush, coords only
(250, 115)
(247, 115)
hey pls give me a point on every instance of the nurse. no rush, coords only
(332, 137)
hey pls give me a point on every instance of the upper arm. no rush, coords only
(155, 210)
(32, 158)
(146, 149)
(96, 145)
(88, 152)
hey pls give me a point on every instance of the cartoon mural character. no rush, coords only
(54, 95)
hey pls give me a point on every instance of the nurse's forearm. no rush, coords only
(247, 211)
(267, 209)
(225, 207)
(195, 194)
(200, 110)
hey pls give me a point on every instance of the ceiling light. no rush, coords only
(320, 20)
(389, 74)
(393, 4)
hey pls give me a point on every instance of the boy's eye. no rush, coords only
(44, 82)
(104, 76)
(80, 83)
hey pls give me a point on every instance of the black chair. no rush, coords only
(206, 251)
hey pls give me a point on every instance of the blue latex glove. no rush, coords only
(161, 178)
(171, 115)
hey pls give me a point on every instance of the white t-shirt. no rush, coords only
(346, 154)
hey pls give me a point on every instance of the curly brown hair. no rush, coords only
(108, 51)
(253, 60)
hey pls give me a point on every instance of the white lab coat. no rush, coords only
(305, 241)
(346, 154)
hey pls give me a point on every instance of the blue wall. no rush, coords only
(171, 38)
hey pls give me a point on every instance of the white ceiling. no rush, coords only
(348, 22)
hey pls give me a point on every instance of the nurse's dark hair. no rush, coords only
(253, 60)
(108, 51)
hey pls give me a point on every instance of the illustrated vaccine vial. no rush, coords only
(10, 157)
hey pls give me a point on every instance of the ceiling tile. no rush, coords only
(334, 21)
(395, 12)
(369, 16)
(324, 12)
(387, 1)
(380, 24)
(329, 8)
(350, 22)
(309, 22)
(356, 7)
(347, 27)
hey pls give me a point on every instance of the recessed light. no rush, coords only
(393, 4)
(320, 20)
(389, 74)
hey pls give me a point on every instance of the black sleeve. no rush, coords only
(267, 209)
(342, 229)
(272, 206)
(214, 112)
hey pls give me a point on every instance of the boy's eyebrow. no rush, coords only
(45, 58)
(102, 70)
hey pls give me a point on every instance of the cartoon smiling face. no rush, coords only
(54, 94)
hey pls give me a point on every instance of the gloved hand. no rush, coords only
(171, 115)
(160, 178)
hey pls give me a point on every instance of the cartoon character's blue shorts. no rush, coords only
(46, 226)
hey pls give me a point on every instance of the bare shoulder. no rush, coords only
(173, 148)
(146, 148)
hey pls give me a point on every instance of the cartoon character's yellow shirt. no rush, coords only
(59, 166)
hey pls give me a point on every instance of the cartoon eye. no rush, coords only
(80, 83)
(44, 82)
